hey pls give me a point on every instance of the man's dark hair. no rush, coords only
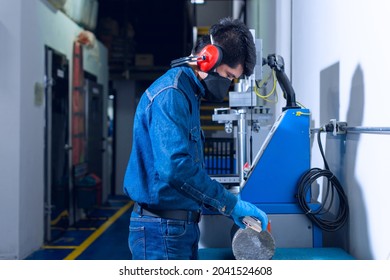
(236, 41)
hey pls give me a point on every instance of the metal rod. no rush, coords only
(373, 130)
(242, 147)
(361, 129)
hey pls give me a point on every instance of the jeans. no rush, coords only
(152, 238)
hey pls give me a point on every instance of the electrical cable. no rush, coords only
(273, 90)
(332, 191)
(300, 105)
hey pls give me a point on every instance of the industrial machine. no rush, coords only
(276, 176)
(270, 179)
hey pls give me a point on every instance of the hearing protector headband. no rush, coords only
(208, 58)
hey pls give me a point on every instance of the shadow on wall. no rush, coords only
(359, 242)
(334, 148)
(340, 153)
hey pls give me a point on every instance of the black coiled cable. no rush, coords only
(320, 213)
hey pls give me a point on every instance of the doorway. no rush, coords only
(57, 167)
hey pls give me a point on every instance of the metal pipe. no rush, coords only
(368, 129)
(242, 147)
(361, 129)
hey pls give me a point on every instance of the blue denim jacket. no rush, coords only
(166, 167)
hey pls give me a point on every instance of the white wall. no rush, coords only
(25, 28)
(340, 55)
(9, 122)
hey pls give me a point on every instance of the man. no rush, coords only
(166, 176)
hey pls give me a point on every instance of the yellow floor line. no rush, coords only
(59, 247)
(81, 248)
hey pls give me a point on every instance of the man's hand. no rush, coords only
(243, 209)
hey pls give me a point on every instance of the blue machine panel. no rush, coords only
(281, 161)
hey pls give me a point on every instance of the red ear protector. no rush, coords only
(208, 58)
(211, 58)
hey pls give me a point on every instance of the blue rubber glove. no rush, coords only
(243, 209)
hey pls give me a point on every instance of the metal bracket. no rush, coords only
(338, 127)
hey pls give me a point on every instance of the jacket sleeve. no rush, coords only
(170, 125)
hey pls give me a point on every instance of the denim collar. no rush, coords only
(199, 90)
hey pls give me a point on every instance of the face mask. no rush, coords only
(216, 87)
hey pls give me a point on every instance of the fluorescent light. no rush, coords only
(197, 1)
